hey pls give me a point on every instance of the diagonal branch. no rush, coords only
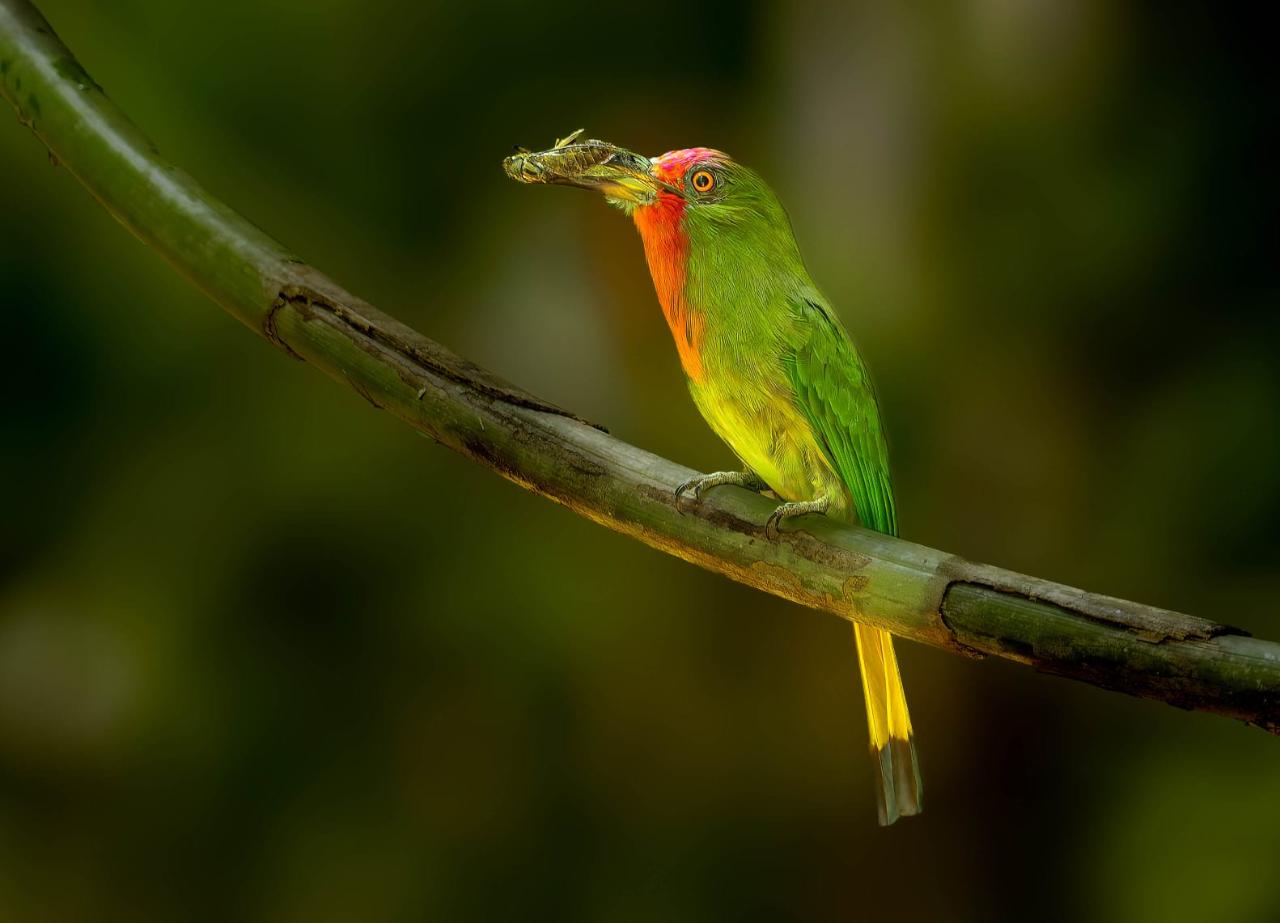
(915, 592)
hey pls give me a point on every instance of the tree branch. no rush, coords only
(913, 591)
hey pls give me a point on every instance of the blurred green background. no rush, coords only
(268, 655)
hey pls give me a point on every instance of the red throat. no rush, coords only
(666, 248)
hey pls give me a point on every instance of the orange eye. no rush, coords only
(703, 181)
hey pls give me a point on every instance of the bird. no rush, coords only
(771, 368)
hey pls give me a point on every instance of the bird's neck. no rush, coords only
(666, 248)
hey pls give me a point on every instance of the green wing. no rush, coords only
(834, 392)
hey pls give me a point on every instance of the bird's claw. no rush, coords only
(747, 479)
(773, 525)
(694, 484)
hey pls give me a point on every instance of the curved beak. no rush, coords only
(625, 178)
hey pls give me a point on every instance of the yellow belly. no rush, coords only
(774, 440)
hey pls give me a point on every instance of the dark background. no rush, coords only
(268, 655)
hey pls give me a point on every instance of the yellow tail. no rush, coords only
(900, 792)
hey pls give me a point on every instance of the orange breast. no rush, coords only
(666, 248)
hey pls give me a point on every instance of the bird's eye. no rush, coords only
(703, 181)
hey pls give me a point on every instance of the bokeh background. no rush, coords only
(268, 655)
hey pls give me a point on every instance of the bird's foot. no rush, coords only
(748, 479)
(787, 510)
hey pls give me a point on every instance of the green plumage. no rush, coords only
(835, 394)
(780, 381)
(783, 384)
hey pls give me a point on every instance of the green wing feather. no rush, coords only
(834, 392)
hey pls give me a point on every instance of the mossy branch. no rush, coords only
(913, 591)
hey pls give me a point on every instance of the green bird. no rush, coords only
(769, 365)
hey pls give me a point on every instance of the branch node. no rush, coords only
(271, 332)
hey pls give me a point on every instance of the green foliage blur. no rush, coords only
(268, 655)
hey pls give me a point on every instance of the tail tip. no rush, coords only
(900, 791)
